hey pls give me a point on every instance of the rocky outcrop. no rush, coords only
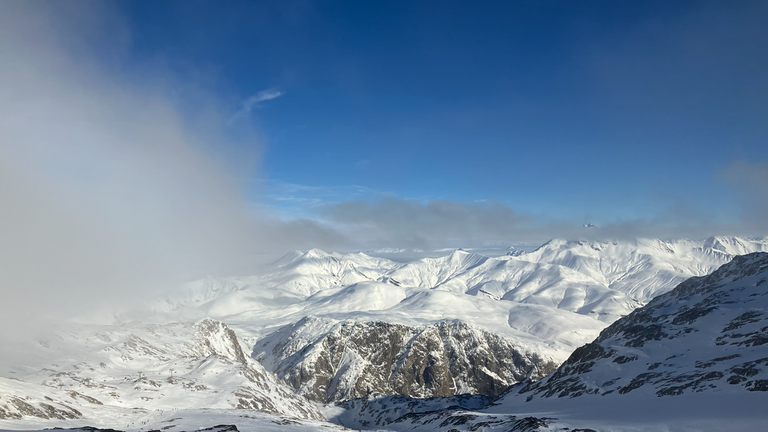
(327, 360)
(14, 407)
(708, 334)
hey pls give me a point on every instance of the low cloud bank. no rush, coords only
(393, 222)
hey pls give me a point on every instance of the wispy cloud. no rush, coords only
(253, 101)
(291, 200)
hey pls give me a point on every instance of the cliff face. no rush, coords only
(327, 360)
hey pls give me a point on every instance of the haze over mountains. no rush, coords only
(333, 327)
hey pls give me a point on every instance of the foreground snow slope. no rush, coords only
(112, 419)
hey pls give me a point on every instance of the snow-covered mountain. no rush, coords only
(545, 303)
(695, 358)
(707, 335)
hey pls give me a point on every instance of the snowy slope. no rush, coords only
(605, 280)
(599, 280)
(125, 370)
(707, 335)
(112, 419)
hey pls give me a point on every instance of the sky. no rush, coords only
(576, 112)
(147, 143)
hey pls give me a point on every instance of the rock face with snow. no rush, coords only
(173, 366)
(710, 334)
(327, 360)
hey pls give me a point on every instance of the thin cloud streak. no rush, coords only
(253, 101)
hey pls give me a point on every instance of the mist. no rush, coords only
(393, 222)
(111, 188)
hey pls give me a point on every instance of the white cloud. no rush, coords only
(254, 100)
(393, 222)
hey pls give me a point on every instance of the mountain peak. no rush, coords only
(316, 253)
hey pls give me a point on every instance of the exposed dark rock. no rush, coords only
(355, 359)
(757, 385)
(624, 359)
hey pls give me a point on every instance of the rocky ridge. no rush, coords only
(327, 360)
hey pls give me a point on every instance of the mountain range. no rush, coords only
(352, 337)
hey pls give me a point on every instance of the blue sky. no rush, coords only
(593, 111)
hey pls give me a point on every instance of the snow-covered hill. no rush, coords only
(599, 279)
(707, 335)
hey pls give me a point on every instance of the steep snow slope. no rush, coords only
(149, 368)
